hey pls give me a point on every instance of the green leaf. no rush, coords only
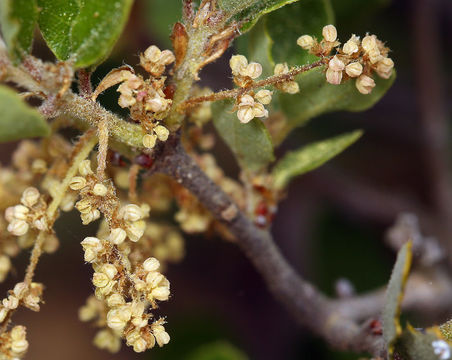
(247, 12)
(219, 350)
(318, 97)
(250, 143)
(18, 120)
(311, 157)
(420, 345)
(394, 296)
(18, 20)
(289, 23)
(82, 31)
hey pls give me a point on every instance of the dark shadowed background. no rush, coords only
(330, 226)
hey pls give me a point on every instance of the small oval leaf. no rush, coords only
(310, 157)
(18, 120)
(82, 31)
(17, 21)
(250, 143)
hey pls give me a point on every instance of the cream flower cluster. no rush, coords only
(243, 71)
(127, 315)
(13, 344)
(30, 213)
(290, 87)
(356, 59)
(249, 107)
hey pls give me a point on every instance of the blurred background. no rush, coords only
(331, 226)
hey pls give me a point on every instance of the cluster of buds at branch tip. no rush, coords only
(249, 108)
(356, 59)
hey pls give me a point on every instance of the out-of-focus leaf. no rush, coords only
(160, 16)
(219, 350)
(310, 157)
(394, 296)
(318, 97)
(292, 21)
(250, 143)
(426, 344)
(247, 12)
(17, 119)
(17, 20)
(82, 31)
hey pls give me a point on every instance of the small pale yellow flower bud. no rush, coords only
(246, 100)
(245, 114)
(151, 264)
(305, 41)
(105, 339)
(291, 87)
(85, 168)
(131, 212)
(253, 70)
(155, 104)
(354, 69)
(259, 110)
(160, 335)
(167, 57)
(20, 289)
(369, 43)
(89, 217)
(109, 270)
(21, 212)
(18, 227)
(30, 196)
(136, 230)
(39, 166)
(161, 293)
(365, 84)
(77, 183)
(152, 53)
(281, 69)
(333, 77)
(3, 313)
(154, 278)
(161, 132)
(41, 224)
(351, 46)
(19, 346)
(385, 67)
(117, 236)
(84, 206)
(264, 96)
(139, 345)
(126, 101)
(115, 300)
(9, 213)
(336, 64)
(329, 33)
(100, 279)
(238, 63)
(11, 302)
(149, 141)
(114, 320)
(100, 190)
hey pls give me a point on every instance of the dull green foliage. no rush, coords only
(18, 120)
(318, 97)
(82, 31)
(394, 296)
(250, 143)
(289, 23)
(219, 350)
(310, 157)
(419, 345)
(17, 21)
(247, 12)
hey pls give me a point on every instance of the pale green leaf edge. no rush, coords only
(311, 157)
